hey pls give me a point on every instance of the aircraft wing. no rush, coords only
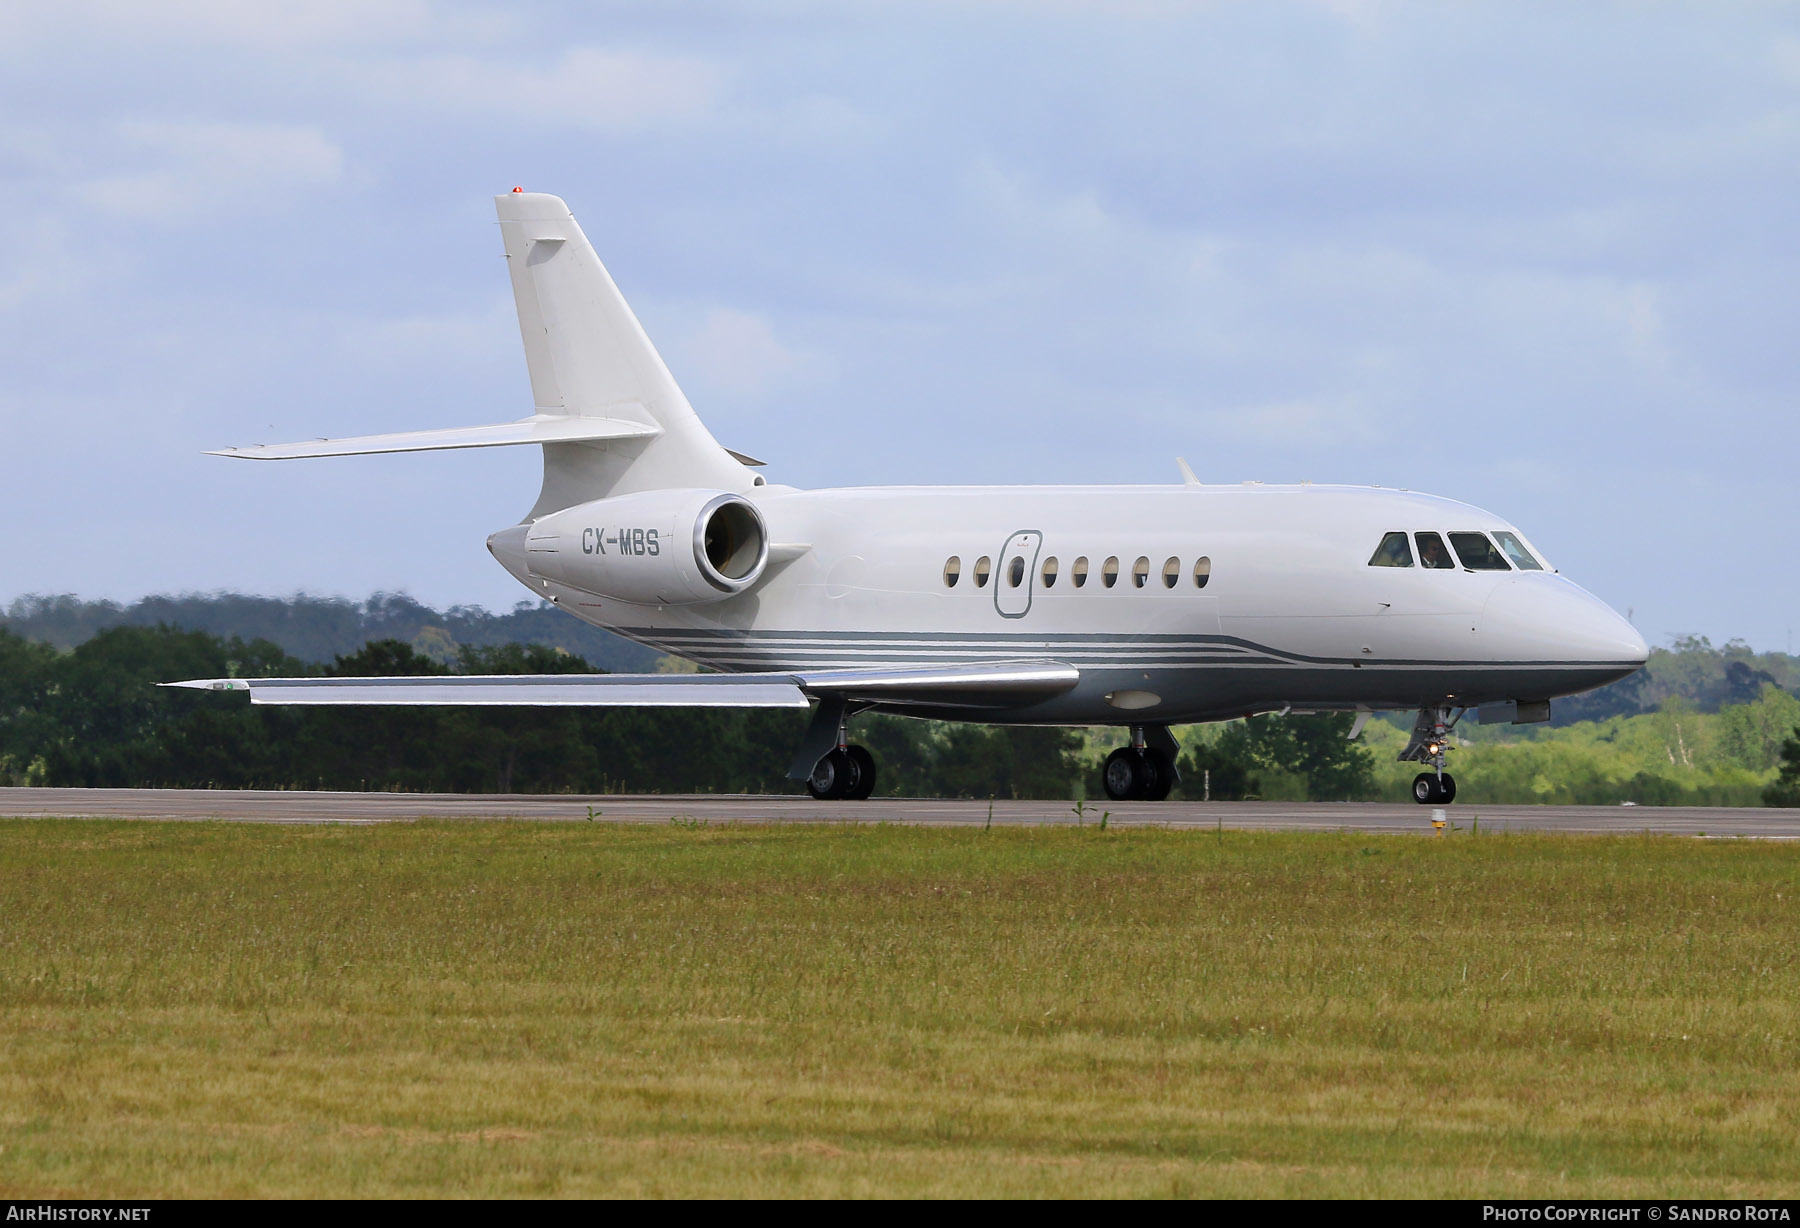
(994, 683)
(540, 428)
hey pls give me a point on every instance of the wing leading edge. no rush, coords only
(539, 428)
(996, 683)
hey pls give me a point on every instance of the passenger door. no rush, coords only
(1014, 577)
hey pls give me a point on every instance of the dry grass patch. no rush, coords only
(516, 1009)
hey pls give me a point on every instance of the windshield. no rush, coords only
(1477, 552)
(1516, 551)
(1432, 552)
(1392, 552)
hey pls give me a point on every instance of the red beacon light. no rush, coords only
(518, 189)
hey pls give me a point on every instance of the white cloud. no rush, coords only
(1305, 423)
(275, 25)
(1786, 50)
(1645, 326)
(589, 87)
(736, 353)
(188, 168)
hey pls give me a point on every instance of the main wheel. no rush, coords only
(1160, 771)
(833, 777)
(864, 763)
(1446, 789)
(1425, 789)
(1124, 775)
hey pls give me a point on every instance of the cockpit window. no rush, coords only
(1392, 552)
(1477, 552)
(1432, 552)
(1516, 551)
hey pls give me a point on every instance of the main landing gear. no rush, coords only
(1145, 770)
(846, 773)
(1429, 744)
(833, 769)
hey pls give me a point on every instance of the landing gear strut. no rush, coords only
(833, 769)
(1429, 745)
(1145, 770)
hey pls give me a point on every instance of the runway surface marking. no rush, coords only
(255, 806)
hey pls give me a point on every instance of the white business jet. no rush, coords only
(1136, 606)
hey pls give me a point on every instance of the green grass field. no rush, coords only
(533, 1009)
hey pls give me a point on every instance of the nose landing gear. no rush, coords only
(1429, 745)
(1145, 770)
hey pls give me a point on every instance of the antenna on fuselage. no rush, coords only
(1187, 475)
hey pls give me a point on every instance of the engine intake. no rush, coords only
(730, 543)
(662, 547)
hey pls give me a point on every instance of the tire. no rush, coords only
(864, 763)
(1446, 789)
(1123, 777)
(1425, 788)
(832, 777)
(1159, 775)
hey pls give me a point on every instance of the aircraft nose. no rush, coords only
(1548, 618)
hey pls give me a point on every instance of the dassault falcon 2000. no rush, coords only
(1133, 606)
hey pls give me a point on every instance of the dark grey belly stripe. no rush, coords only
(1102, 649)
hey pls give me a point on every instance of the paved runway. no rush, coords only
(296, 807)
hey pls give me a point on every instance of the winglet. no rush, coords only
(1187, 475)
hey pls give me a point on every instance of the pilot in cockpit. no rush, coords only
(1432, 552)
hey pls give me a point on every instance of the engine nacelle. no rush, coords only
(660, 547)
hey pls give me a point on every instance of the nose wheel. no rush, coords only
(1434, 789)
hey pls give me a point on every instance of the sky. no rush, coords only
(1539, 257)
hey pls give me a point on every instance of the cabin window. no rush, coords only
(1477, 552)
(1078, 571)
(1202, 571)
(1516, 551)
(1392, 552)
(1171, 573)
(1109, 571)
(1015, 574)
(1140, 572)
(982, 567)
(1432, 552)
(952, 571)
(1049, 572)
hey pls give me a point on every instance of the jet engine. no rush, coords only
(660, 547)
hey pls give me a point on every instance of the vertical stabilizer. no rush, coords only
(589, 358)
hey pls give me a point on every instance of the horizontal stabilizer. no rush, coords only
(540, 428)
(997, 684)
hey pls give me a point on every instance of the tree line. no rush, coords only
(93, 716)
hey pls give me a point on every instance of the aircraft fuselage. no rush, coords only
(1248, 599)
